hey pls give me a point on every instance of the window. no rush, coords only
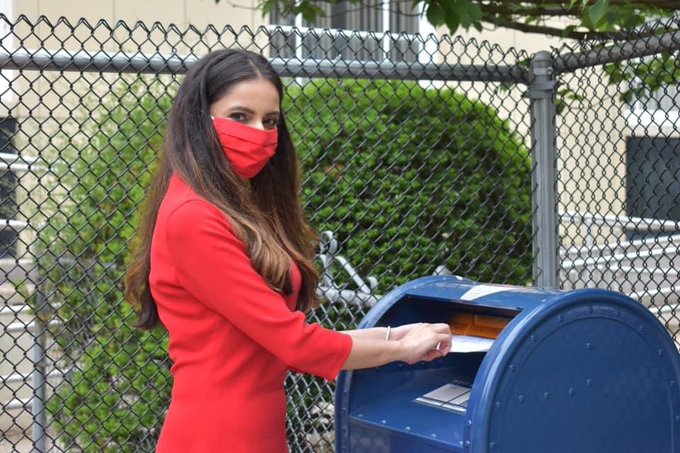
(9, 208)
(331, 36)
(653, 183)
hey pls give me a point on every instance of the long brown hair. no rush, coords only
(266, 213)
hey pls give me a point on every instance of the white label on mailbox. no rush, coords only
(484, 290)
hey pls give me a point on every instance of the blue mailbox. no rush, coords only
(567, 371)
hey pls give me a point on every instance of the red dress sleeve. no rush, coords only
(212, 264)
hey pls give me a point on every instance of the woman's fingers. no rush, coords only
(441, 327)
(430, 355)
(442, 347)
(427, 342)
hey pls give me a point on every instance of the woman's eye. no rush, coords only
(271, 123)
(240, 117)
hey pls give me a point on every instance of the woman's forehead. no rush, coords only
(259, 95)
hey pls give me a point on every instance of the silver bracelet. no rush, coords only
(387, 335)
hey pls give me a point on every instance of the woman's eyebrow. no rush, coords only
(251, 111)
(240, 107)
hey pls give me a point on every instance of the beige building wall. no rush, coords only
(199, 13)
(176, 16)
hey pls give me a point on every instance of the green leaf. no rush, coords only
(597, 12)
(435, 15)
(308, 12)
(453, 14)
(464, 12)
(568, 29)
(452, 21)
(267, 7)
(475, 13)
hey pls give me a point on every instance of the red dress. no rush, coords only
(232, 338)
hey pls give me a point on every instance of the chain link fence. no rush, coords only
(420, 155)
(618, 159)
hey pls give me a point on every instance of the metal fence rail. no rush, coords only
(470, 159)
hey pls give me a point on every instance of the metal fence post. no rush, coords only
(544, 175)
(39, 376)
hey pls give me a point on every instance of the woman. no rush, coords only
(224, 263)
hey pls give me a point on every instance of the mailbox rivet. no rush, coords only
(492, 445)
(520, 398)
(589, 382)
(660, 352)
(641, 328)
(498, 404)
(559, 318)
(469, 422)
(546, 395)
(408, 428)
(672, 383)
(467, 443)
(571, 391)
(589, 346)
(533, 338)
(383, 421)
(677, 418)
(360, 415)
(512, 368)
(434, 435)
(591, 309)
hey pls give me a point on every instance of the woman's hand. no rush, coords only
(410, 343)
(399, 332)
(423, 342)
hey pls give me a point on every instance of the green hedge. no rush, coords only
(118, 388)
(407, 178)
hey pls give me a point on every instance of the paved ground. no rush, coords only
(16, 443)
(12, 444)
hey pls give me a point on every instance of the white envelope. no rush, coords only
(465, 343)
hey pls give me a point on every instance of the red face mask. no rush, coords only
(248, 149)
